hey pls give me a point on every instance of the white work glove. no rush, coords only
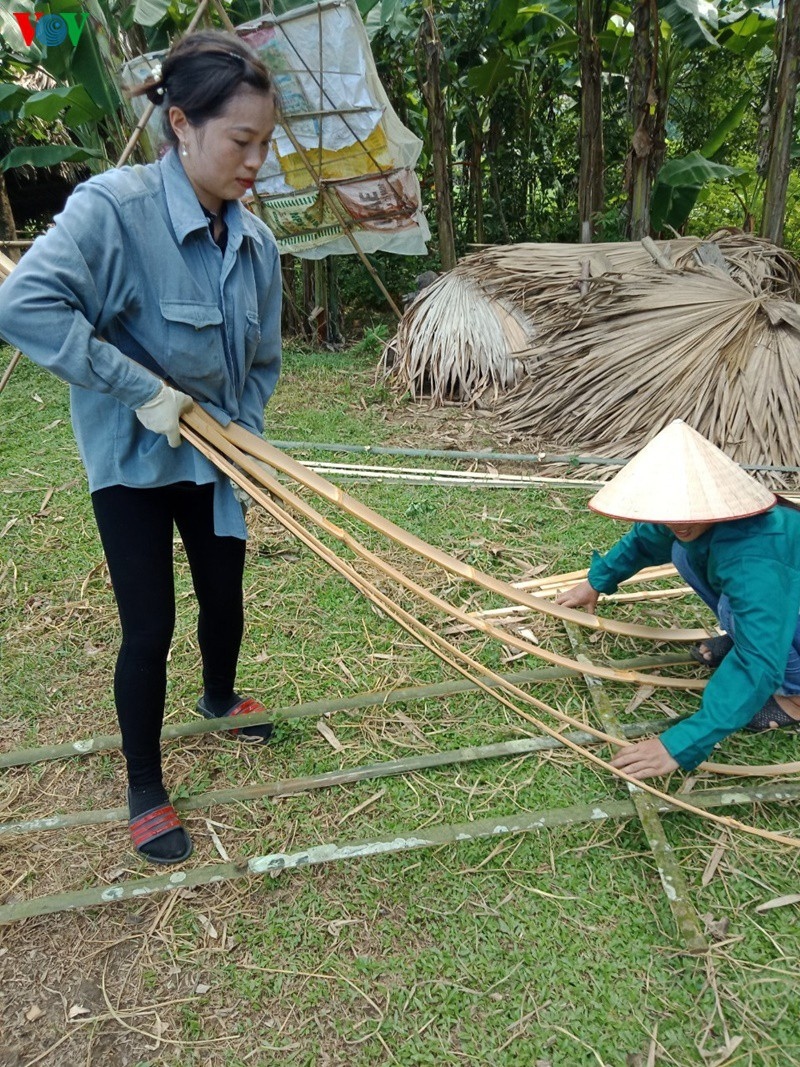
(161, 414)
(241, 495)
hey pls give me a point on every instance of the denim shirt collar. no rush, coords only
(185, 211)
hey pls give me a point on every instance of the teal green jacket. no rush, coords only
(755, 562)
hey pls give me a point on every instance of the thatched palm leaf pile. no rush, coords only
(424, 359)
(627, 339)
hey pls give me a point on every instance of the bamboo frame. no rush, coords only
(464, 664)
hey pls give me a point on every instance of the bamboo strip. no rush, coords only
(561, 581)
(220, 444)
(260, 450)
(443, 649)
(403, 841)
(669, 870)
(12, 363)
(422, 476)
(292, 786)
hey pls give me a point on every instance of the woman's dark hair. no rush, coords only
(200, 74)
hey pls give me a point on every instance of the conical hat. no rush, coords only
(680, 476)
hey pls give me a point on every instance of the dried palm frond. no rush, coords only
(456, 342)
(607, 373)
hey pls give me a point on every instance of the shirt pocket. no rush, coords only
(252, 338)
(194, 356)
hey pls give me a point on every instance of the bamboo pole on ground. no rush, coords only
(446, 652)
(402, 841)
(292, 786)
(672, 878)
(311, 709)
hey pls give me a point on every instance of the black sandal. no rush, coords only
(154, 824)
(771, 717)
(716, 649)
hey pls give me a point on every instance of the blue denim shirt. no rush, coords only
(128, 287)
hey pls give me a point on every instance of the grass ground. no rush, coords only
(547, 949)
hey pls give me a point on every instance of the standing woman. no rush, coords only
(151, 273)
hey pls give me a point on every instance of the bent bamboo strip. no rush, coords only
(259, 449)
(402, 841)
(444, 650)
(221, 445)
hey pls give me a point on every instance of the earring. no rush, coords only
(184, 150)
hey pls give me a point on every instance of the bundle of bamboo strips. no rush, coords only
(237, 452)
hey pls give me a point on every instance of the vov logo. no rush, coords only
(51, 30)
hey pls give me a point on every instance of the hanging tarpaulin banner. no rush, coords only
(345, 132)
(339, 138)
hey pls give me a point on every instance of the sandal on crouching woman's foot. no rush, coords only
(156, 832)
(772, 717)
(712, 651)
(210, 709)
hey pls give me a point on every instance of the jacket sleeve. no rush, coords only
(262, 376)
(764, 599)
(72, 279)
(645, 545)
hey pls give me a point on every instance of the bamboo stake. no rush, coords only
(427, 837)
(293, 786)
(260, 450)
(464, 664)
(669, 870)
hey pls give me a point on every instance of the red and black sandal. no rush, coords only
(247, 706)
(154, 824)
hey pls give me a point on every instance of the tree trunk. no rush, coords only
(309, 299)
(429, 58)
(643, 108)
(590, 174)
(781, 122)
(8, 229)
(476, 182)
(492, 144)
(291, 320)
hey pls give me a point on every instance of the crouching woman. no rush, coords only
(738, 546)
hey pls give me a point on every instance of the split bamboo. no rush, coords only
(259, 449)
(464, 664)
(402, 841)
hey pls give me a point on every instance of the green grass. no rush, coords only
(556, 948)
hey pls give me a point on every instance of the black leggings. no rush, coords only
(136, 528)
